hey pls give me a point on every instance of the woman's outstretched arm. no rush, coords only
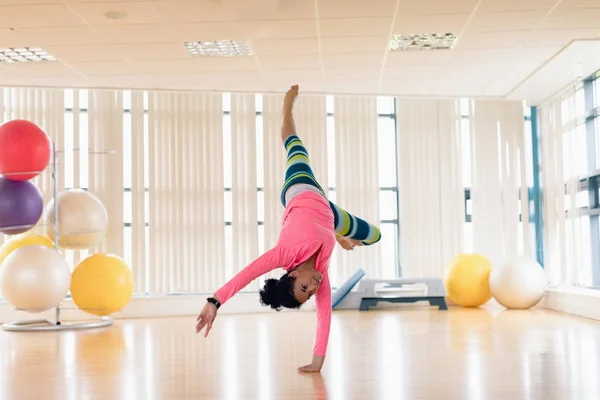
(323, 301)
(275, 258)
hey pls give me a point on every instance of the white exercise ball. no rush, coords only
(82, 219)
(35, 278)
(519, 283)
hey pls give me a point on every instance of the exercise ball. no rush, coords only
(24, 150)
(102, 284)
(519, 283)
(82, 219)
(467, 280)
(21, 206)
(35, 278)
(22, 240)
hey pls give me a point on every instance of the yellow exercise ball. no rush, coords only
(101, 284)
(22, 240)
(467, 280)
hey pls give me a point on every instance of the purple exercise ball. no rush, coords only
(21, 206)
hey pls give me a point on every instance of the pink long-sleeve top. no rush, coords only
(307, 228)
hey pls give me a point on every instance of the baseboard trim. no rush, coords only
(148, 307)
(575, 301)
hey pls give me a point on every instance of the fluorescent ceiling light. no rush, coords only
(219, 48)
(423, 41)
(24, 55)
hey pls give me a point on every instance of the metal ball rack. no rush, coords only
(55, 324)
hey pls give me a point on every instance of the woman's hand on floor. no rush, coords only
(309, 369)
(316, 365)
(206, 318)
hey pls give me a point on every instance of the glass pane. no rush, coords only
(387, 151)
(532, 239)
(146, 154)
(385, 105)
(580, 102)
(127, 207)
(586, 250)
(520, 238)
(566, 114)
(331, 196)
(526, 110)
(70, 257)
(228, 206)
(468, 230)
(597, 125)
(465, 132)
(261, 239)
(566, 155)
(147, 257)
(69, 163)
(68, 98)
(331, 151)
(260, 153)
(227, 171)
(84, 145)
(580, 149)
(228, 252)
(258, 101)
(329, 104)
(528, 154)
(127, 245)
(260, 206)
(145, 101)
(126, 100)
(388, 250)
(387, 205)
(127, 150)
(583, 199)
(226, 102)
(147, 207)
(464, 107)
(83, 254)
(83, 98)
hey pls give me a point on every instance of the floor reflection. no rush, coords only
(408, 354)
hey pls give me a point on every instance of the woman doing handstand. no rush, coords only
(310, 228)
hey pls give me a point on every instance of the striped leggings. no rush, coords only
(299, 172)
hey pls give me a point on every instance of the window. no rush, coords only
(388, 185)
(588, 143)
(582, 162)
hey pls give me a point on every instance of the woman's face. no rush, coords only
(306, 284)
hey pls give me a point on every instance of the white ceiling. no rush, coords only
(327, 46)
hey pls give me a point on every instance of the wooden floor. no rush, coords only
(407, 354)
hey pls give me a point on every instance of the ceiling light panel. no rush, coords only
(24, 55)
(423, 41)
(219, 48)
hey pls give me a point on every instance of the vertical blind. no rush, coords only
(192, 192)
(437, 143)
(432, 194)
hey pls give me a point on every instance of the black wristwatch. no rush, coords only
(214, 301)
